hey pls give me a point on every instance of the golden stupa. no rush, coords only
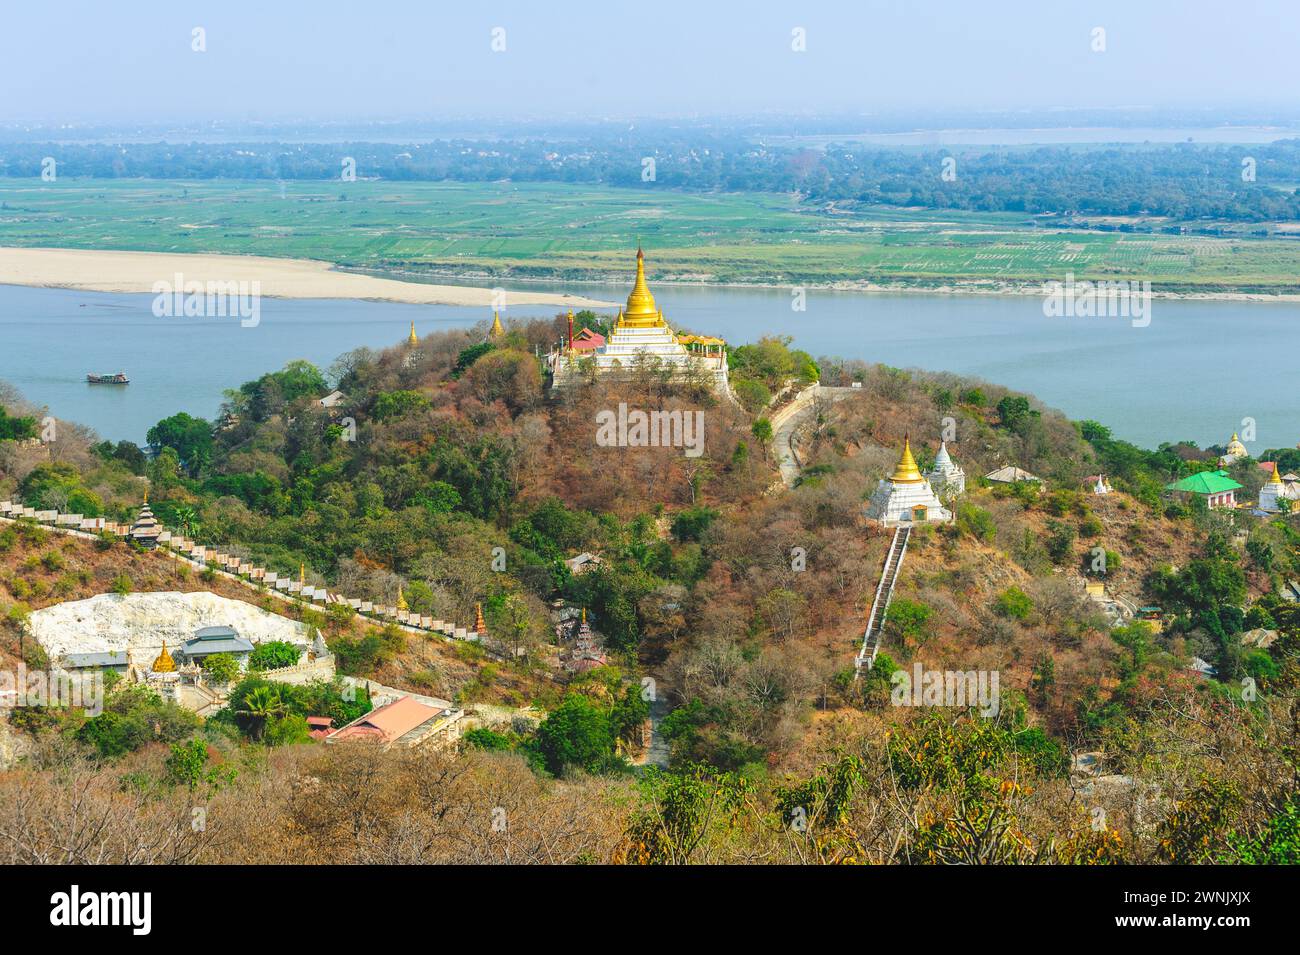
(1276, 476)
(411, 339)
(641, 311)
(1235, 447)
(401, 599)
(497, 329)
(907, 472)
(164, 662)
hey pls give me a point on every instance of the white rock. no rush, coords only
(141, 622)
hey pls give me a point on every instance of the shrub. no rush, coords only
(975, 522)
(273, 655)
(1014, 603)
(752, 395)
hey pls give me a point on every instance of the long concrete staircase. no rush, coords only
(880, 606)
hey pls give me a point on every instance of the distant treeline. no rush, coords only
(1184, 182)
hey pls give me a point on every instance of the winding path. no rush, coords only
(787, 421)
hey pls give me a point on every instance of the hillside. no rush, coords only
(449, 473)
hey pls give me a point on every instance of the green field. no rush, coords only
(568, 232)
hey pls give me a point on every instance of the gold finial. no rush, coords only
(641, 311)
(907, 472)
(1276, 477)
(497, 330)
(401, 599)
(479, 625)
(164, 662)
(146, 494)
(584, 609)
(302, 574)
(411, 338)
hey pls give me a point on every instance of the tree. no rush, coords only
(187, 765)
(221, 667)
(273, 655)
(261, 705)
(188, 436)
(576, 733)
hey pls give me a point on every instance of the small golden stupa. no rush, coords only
(164, 662)
(412, 339)
(497, 328)
(401, 599)
(479, 625)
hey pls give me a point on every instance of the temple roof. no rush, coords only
(1206, 482)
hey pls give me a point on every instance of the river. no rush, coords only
(1195, 372)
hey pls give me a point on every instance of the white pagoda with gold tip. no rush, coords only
(906, 497)
(641, 336)
(1275, 491)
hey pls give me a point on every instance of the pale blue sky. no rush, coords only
(131, 61)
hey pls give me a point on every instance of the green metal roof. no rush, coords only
(1206, 482)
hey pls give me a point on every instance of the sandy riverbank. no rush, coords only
(136, 272)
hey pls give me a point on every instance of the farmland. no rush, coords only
(569, 232)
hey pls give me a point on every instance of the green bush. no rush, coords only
(1014, 603)
(273, 655)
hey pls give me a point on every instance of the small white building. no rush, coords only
(946, 477)
(906, 497)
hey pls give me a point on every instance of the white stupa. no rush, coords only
(906, 497)
(946, 477)
(1102, 486)
(1236, 451)
(1274, 492)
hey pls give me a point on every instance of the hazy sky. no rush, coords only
(131, 60)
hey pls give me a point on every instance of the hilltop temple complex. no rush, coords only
(906, 497)
(640, 338)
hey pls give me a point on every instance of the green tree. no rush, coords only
(262, 705)
(188, 436)
(273, 655)
(576, 733)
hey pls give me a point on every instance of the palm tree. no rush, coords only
(260, 705)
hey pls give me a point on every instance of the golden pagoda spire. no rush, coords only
(1276, 477)
(479, 625)
(164, 662)
(907, 472)
(641, 311)
(401, 599)
(302, 574)
(584, 616)
(497, 331)
(146, 494)
(411, 339)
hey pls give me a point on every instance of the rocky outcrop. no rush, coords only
(140, 623)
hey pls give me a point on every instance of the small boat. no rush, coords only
(118, 379)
